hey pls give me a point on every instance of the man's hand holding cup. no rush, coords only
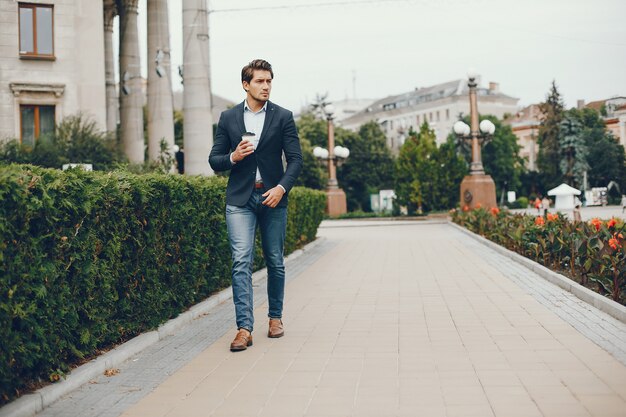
(245, 147)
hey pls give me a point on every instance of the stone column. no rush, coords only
(198, 124)
(160, 104)
(110, 11)
(131, 96)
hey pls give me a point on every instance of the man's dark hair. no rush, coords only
(258, 64)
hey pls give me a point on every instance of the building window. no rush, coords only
(35, 121)
(447, 114)
(430, 116)
(36, 30)
(438, 119)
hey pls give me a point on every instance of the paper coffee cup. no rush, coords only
(250, 137)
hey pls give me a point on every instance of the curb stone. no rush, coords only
(30, 404)
(606, 305)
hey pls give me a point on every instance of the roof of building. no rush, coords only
(612, 104)
(595, 105)
(526, 117)
(402, 103)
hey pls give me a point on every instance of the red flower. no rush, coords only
(465, 208)
(495, 211)
(614, 242)
(552, 217)
(539, 221)
(611, 223)
(478, 205)
(596, 222)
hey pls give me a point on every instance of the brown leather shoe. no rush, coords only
(242, 341)
(276, 328)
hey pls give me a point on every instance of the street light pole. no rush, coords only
(476, 166)
(332, 169)
(477, 188)
(333, 156)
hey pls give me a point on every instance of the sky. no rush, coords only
(372, 49)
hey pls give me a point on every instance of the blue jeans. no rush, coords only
(242, 223)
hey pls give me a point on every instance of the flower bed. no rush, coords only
(591, 253)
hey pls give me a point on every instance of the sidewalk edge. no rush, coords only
(603, 304)
(31, 404)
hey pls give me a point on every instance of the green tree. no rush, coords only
(369, 167)
(313, 174)
(312, 132)
(179, 121)
(549, 157)
(573, 150)
(426, 177)
(453, 169)
(500, 156)
(75, 140)
(605, 158)
(313, 129)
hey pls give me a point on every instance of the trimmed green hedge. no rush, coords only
(91, 259)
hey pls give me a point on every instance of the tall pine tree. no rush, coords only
(549, 157)
(606, 158)
(573, 151)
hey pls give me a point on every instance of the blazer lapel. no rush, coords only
(269, 116)
(239, 116)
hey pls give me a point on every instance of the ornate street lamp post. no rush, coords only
(333, 156)
(477, 188)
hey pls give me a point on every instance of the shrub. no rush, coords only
(90, 259)
(521, 202)
(75, 140)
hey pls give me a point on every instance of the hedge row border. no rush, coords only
(606, 305)
(33, 403)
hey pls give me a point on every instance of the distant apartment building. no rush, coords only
(51, 66)
(343, 109)
(440, 105)
(348, 107)
(525, 125)
(613, 111)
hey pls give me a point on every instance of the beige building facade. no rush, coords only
(440, 105)
(57, 59)
(51, 65)
(525, 125)
(614, 112)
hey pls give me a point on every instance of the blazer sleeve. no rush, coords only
(219, 158)
(293, 153)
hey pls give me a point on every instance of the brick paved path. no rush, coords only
(386, 319)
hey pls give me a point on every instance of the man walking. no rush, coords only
(250, 141)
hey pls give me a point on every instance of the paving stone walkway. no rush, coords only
(385, 319)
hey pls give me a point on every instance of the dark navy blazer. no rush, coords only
(279, 135)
